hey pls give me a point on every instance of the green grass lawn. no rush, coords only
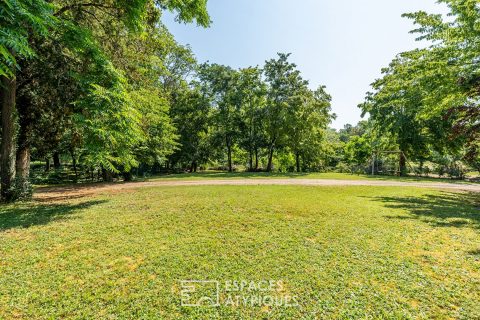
(343, 252)
(263, 175)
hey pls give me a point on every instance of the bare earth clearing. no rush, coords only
(47, 194)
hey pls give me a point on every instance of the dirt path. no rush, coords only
(49, 194)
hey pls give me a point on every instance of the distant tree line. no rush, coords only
(246, 117)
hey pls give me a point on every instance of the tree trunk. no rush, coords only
(250, 161)
(256, 159)
(7, 167)
(270, 158)
(127, 176)
(56, 160)
(107, 175)
(25, 121)
(403, 164)
(229, 152)
(193, 166)
(47, 164)
(74, 162)
(297, 159)
(23, 187)
(228, 143)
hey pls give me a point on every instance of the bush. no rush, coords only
(343, 167)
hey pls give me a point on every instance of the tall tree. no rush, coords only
(251, 96)
(448, 73)
(283, 80)
(192, 115)
(308, 117)
(394, 108)
(19, 20)
(221, 83)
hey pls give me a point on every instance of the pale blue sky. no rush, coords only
(342, 44)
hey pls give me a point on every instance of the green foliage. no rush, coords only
(252, 98)
(111, 128)
(253, 113)
(283, 82)
(307, 119)
(394, 109)
(117, 70)
(191, 114)
(157, 128)
(123, 95)
(188, 11)
(19, 19)
(358, 150)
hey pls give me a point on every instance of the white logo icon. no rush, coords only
(198, 293)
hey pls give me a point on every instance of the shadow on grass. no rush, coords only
(25, 215)
(443, 210)
(416, 179)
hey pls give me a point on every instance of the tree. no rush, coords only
(308, 117)
(448, 72)
(394, 110)
(283, 80)
(358, 150)
(19, 19)
(191, 114)
(221, 83)
(350, 131)
(251, 91)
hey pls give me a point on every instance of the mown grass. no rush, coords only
(327, 175)
(345, 252)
